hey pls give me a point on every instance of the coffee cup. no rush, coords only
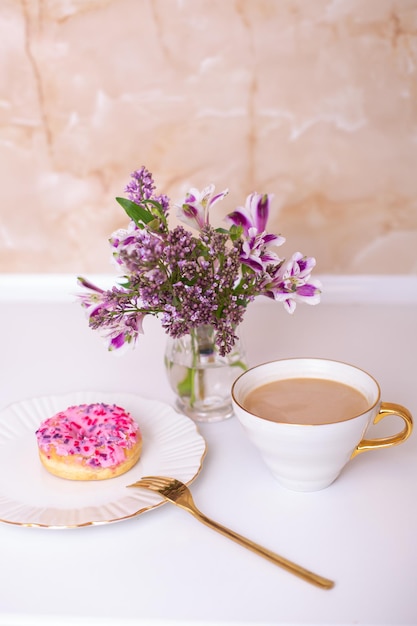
(308, 417)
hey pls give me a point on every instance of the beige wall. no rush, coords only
(312, 100)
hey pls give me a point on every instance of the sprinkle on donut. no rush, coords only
(98, 434)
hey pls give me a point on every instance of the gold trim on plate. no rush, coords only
(29, 494)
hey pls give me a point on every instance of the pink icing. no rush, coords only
(99, 433)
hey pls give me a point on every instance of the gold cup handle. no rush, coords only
(387, 408)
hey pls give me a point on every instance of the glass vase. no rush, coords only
(200, 377)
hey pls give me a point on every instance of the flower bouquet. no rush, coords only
(198, 284)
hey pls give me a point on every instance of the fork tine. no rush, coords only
(153, 482)
(145, 483)
(164, 480)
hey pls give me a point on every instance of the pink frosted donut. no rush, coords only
(89, 442)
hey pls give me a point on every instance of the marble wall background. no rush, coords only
(312, 100)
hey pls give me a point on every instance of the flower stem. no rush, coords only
(202, 342)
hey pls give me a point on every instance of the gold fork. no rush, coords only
(178, 493)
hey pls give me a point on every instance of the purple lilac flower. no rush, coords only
(137, 250)
(192, 281)
(141, 188)
(204, 287)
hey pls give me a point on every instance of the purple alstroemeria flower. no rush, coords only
(136, 250)
(93, 302)
(123, 235)
(124, 332)
(292, 283)
(189, 280)
(195, 208)
(122, 239)
(118, 320)
(88, 285)
(253, 218)
(254, 214)
(254, 251)
(93, 298)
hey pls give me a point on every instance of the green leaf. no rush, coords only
(240, 364)
(235, 232)
(137, 213)
(224, 231)
(153, 224)
(185, 386)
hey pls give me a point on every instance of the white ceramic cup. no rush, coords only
(306, 457)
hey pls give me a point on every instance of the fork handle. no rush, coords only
(299, 571)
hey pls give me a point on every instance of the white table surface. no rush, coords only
(164, 567)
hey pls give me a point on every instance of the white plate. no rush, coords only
(30, 496)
